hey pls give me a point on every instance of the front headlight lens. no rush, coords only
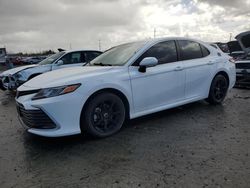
(55, 91)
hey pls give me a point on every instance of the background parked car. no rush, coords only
(242, 57)
(223, 47)
(215, 45)
(32, 60)
(13, 78)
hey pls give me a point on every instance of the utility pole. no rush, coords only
(70, 47)
(230, 36)
(154, 33)
(100, 47)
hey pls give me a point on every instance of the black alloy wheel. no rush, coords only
(104, 115)
(218, 90)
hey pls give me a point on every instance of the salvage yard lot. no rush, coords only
(196, 145)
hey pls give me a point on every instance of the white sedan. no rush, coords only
(13, 78)
(127, 81)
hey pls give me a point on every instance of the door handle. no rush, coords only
(179, 68)
(210, 63)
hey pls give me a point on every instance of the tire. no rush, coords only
(218, 90)
(1, 86)
(104, 115)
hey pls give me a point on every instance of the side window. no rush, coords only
(72, 58)
(165, 52)
(189, 50)
(91, 55)
(205, 51)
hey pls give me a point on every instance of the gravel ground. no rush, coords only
(196, 145)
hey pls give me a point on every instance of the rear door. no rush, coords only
(199, 66)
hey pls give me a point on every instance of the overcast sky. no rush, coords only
(35, 25)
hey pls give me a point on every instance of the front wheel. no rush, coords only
(1, 86)
(104, 115)
(218, 90)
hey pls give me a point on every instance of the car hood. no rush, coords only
(16, 70)
(244, 40)
(64, 76)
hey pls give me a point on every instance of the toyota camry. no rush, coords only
(125, 82)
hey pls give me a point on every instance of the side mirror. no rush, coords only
(147, 62)
(60, 62)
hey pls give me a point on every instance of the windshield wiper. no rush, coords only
(101, 64)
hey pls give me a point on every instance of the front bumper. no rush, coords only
(63, 112)
(242, 78)
(9, 83)
(34, 118)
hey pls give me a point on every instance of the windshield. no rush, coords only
(51, 58)
(117, 56)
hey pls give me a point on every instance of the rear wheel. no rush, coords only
(218, 90)
(104, 115)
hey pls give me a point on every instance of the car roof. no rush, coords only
(149, 42)
(156, 40)
(77, 50)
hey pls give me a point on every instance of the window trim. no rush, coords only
(194, 42)
(71, 56)
(176, 48)
(206, 49)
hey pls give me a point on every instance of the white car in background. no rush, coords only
(13, 78)
(127, 81)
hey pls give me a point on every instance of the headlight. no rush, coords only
(55, 91)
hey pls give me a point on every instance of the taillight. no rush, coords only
(232, 60)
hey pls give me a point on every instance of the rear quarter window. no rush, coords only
(189, 50)
(204, 50)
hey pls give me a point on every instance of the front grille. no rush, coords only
(35, 118)
(242, 65)
(22, 93)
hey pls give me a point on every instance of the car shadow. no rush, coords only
(161, 127)
(47, 143)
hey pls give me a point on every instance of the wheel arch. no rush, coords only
(224, 73)
(108, 90)
(220, 72)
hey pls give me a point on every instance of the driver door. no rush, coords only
(161, 85)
